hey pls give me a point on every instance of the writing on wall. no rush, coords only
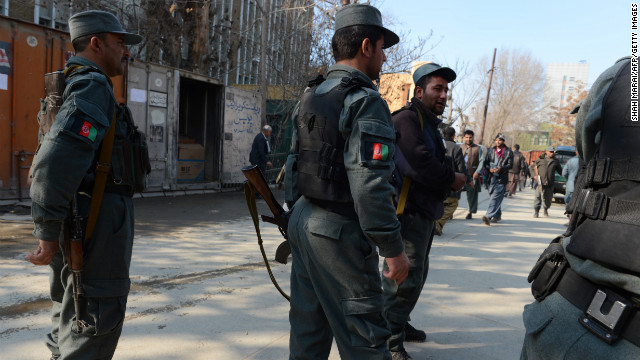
(242, 117)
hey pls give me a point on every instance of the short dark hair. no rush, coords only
(469, 132)
(422, 82)
(449, 132)
(346, 41)
(81, 43)
(516, 146)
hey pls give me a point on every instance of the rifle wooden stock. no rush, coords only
(76, 255)
(255, 177)
(280, 218)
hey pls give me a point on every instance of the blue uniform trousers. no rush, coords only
(335, 288)
(553, 332)
(106, 283)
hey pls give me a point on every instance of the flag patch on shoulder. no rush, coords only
(380, 151)
(376, 151)
(87, 130)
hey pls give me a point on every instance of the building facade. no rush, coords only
(217, 38)
(563, 80)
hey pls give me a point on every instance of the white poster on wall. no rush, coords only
(138, 95)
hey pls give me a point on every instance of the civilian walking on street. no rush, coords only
(545, 170)
(497, 163)
(451, 202)
(518, 169)
(260, 149)
(473, 157)
(569, 172)
(425, 180)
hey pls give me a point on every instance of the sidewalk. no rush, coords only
(200, 289)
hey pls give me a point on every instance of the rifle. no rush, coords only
(280, 217)
(74, 260)
(256, 182)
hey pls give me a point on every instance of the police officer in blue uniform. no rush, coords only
(343, 159)
(586, 283)
(64, 167)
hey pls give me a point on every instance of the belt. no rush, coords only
(623, 318)
(344, 209)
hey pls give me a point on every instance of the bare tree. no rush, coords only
(516, 94)
(463, 94)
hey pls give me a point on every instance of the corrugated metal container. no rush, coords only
(173, 107)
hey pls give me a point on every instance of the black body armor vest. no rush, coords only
(320, 165)
(605, 226)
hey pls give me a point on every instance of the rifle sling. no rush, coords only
(102, 170)
(402, 201)
(249, 193)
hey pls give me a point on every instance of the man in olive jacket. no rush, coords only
(545, 170)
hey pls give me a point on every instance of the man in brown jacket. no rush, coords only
(518, 168)
(473, 156)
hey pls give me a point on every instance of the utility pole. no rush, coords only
(450, 105)
(264, 85)
(486, 104)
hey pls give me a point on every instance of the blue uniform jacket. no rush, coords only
(68, 150)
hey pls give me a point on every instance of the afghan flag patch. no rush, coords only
(380, 151)
(87, 130)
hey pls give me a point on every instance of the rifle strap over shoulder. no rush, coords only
(249, 193)
(102, 170)
(406, 182)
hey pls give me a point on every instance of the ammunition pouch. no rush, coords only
(130, 161)
(608, 313)
(141, 163)
(548, 270)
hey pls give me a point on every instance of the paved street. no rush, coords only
(200, 289)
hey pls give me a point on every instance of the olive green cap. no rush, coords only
(433, 69)
(364, 14)
(95, 22)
